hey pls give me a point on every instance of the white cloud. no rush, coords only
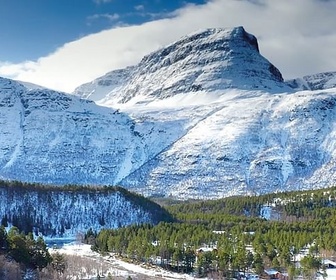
(102, 1)
(139, 7)
(297, 36)
(110, 17)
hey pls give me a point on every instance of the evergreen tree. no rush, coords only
(258, 263)
(310, 265)
(3, 238)
(59, 263)
(40, 256)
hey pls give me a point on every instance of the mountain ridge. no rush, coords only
(320, 81)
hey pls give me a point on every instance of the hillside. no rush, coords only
(71, 210)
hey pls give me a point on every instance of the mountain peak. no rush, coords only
(205, 41)
(215, 34)
(207, 60)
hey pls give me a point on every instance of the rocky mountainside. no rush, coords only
(208, 60)
(204, 117)
(65, 212)
(319, 81)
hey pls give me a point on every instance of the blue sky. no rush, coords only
(62, 44)
(31, 29)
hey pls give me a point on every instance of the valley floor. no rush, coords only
(118, 269)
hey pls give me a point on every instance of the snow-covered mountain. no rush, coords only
(59, 212)
(208, 60)
(204, 117)
(314, 82)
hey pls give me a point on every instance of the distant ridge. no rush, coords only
(318, 81)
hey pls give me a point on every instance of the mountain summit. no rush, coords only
(207, 60)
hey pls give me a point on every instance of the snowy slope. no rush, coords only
(99, 88)
(31, 86)
(248, 131)
(250, 142)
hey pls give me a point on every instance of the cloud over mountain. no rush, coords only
(295, 35)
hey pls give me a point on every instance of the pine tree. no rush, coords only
(59, 263)
(258, 263)
(3, 239)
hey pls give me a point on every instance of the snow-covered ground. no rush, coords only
(118, 267)
(191, 145)
(331, 274)
(269, 212)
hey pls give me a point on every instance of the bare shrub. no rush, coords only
(9, 269)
